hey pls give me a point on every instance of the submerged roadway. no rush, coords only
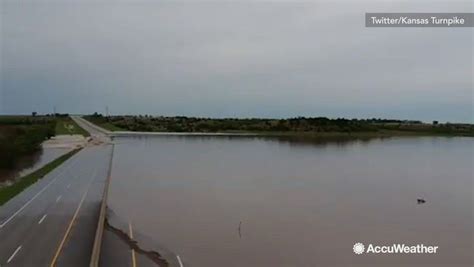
(53, 222)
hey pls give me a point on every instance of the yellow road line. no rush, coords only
(58, 251)
(134, 260)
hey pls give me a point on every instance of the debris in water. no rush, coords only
(420, 201)
(240, 228)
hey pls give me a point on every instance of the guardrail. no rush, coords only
(95, 257)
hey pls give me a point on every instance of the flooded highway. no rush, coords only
(255, 201)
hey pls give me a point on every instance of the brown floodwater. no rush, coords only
(30, 163)
(253, 201)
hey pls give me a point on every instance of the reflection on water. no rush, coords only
(30, 163)
(254, 201)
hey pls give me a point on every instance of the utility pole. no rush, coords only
(107, 111)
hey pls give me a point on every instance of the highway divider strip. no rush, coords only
(95, 257)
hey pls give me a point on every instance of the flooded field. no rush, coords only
(248, 201)
(31, 163)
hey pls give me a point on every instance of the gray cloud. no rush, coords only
(245, 58)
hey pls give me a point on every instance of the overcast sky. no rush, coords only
(234, 58)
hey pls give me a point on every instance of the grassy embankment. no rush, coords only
(66, 126)
(8, 192)
(104, 123)
(310, 127)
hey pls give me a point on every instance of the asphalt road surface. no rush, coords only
(115, 252)
(93, 129)
(53, 222)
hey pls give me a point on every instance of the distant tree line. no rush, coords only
(298, 124)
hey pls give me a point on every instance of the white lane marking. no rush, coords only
(42, 218)
(179, 261)
(57, 199)
(13, 255)
(69, 185)
(68, 230)
(35, 196)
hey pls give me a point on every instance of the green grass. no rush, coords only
(8, 192)
(103, 123)
(18, 140)
(66, 126)
(109, 126)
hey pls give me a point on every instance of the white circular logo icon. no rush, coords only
(358, 248)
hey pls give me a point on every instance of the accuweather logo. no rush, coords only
(360, 248)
